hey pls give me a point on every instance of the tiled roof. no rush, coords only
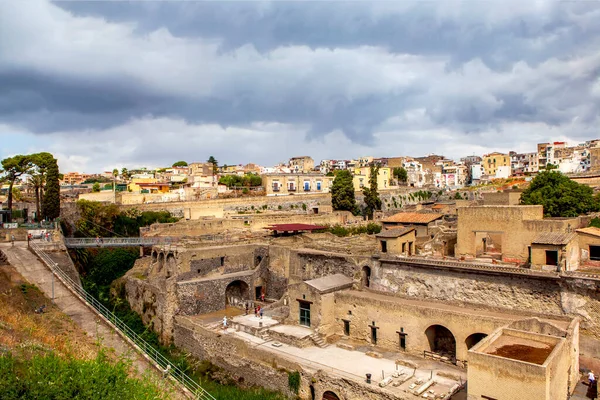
(554, 238)
(413, 218)
(589, 230)
(394, 233)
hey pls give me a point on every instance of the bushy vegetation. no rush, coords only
(104, 220)
(560, 196)
(52, 377)
(237, 180)
(342, 231)
(595, 222)
(101, 267)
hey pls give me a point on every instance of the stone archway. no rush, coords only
(171, 265)
(441, 340)
(329, 395)
(161, 261)
(473, 339)
(366, 276)
(237, 292)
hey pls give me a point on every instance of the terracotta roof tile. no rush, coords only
(394, 233)
(554, 238)
(589, 230)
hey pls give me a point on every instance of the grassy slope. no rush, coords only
(48, 356)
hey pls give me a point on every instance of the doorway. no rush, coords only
(374, 335)
(304, 313)
(366, 276)
(551, 257)
(257, 292)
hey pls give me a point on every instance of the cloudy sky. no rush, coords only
(146, 83)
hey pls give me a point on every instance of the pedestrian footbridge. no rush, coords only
(115, 242)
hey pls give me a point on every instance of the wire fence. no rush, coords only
(168, 368)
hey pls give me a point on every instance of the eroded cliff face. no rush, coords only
(151, 295)
(560, 296)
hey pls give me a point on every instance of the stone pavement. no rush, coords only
(351, 364)
(38, 274)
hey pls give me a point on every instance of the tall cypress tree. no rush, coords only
(51, 199)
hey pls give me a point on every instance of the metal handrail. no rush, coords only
(167, 366)
(115, 242)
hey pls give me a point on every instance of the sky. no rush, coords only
(114, 84)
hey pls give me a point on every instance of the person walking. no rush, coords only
(255, 311)
(591, 377)
(12, 240)
(261, 313)
(246, 308)
(225, 322)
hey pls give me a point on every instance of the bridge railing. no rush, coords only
(117, 242)
(148, 350)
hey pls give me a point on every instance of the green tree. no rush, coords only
(560, 196)
(125, 173)
(51, 199)
(180, 164)
(214, 162)
(96, 187)
(14, 168)
(372, 200)
(41, 162)
(342, 192)
(400, 174)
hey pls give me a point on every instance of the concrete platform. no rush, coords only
(299, 332)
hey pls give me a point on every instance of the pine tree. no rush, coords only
(51, 199)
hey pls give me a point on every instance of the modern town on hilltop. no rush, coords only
(300, 175)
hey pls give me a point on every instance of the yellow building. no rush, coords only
(491, 162)
(134, 185)
(362, 176)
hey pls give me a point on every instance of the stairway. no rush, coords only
(264, 335)
(318, 340)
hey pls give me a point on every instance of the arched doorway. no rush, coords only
(161, 262)
(473, 339)
(171, 265)
(329, 395)
(441, 340)
(366, 276)
(237, 292)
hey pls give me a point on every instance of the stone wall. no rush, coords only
(525, 293)
(254, 366)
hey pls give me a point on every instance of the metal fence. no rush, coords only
(161, 361)
(116, 241)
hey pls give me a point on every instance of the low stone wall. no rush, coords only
(249, 365)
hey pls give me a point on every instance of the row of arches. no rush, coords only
(442, 341)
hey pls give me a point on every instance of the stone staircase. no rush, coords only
(264, 335)
(318, 340)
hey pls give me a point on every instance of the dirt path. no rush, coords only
(28, 265)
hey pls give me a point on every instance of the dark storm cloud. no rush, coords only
(414, 69)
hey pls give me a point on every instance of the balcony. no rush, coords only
(307, 189)
(276, 188)
(291, 189)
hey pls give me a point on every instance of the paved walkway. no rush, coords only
(38, 274)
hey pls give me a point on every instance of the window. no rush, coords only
(222, 261)
(318, 185)
(383, 246)
(403, 247)
(595, 253)
(346, 327)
